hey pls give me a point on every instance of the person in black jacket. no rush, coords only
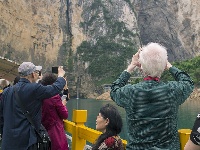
(194, 142)
(66, 93)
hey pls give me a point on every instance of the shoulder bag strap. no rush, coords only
(25, 112)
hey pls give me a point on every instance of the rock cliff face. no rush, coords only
(173, 23)
(52, 32)
(32, 30)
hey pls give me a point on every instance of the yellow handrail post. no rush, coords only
(184, 135)
(79, 117)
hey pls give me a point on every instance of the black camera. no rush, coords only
(40, 73)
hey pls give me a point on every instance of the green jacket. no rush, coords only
(151, 109)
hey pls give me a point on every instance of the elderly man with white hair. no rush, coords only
(152, 105)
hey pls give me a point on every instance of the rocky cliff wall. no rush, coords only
(174, 23)
(49, 32)
(31, 30)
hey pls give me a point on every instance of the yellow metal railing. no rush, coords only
(81, 133)
(184, 135)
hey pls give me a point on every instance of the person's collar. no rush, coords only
(24, 80)
(151, 78)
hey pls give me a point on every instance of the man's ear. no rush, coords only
(32, 75)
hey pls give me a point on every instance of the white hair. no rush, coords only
(153, 59)
(4, 83)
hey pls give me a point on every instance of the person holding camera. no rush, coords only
(65, 93)
(18, 133)
(152, 105)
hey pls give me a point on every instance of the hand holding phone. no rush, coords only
(64, 97)
(61, 72)
(58, 70)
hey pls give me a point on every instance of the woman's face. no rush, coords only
(101, 123)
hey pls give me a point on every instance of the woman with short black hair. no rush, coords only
(109, 122)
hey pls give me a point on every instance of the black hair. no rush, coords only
(48, 79)
(113, 128)
(16, 80)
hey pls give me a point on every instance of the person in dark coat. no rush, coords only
(193, 142)
(53, 112)
(18, 133)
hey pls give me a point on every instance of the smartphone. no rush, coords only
(64, 97)
(55, 70)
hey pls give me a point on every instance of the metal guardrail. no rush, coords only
(86, 147)
(81, 133)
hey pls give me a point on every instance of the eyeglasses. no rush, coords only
(38, 72)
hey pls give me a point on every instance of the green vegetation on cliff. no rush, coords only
(106, 59)
(191, 66)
